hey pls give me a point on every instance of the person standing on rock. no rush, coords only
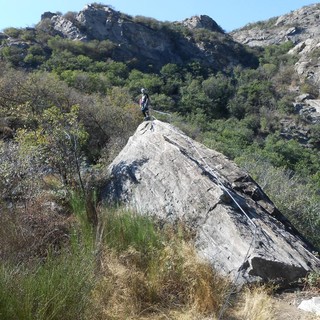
(144, 104)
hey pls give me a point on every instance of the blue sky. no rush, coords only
(229, 14)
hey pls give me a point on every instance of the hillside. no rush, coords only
(296, 26)
(301, 28)
(140, 42)
(230, 119)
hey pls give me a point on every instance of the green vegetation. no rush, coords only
(127, 268)
(80, 111)
(67, 109)
(55, 289)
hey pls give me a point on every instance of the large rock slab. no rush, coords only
(164, 173)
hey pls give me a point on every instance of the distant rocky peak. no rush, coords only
(98, 11)
(145, 43)
(101, 8)
(202, 21)
(307, 15)
(296, 26)
(48, 15)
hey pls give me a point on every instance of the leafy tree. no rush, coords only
(219, 90)
(238, 106)
(172, 79)
(13, 54)
(109, 120)
(197, 70)
(257, 94)
(116, 73)
(162, 102)
(138, 80)
(315, 134)
(231, 137)
(193, 97)
(58, 142)
(277, 54)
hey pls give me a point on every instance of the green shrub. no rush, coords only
(123, 230)
(13, 32)
(56, 289)
(294, 195)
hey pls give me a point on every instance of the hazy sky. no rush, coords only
(229, 14)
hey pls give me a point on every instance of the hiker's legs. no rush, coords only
(145, 113)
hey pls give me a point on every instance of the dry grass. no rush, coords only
(139, 273)
(255, 304)
(28, 235)
(176, 285)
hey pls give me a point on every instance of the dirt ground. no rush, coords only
(286, 306)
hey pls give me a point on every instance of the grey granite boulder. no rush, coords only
(163, 173)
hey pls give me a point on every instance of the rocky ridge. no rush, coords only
(151, 42)
(297, 26)
(302, 28)
(162, 172)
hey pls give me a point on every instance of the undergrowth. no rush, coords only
(147, 271)
(128, 267)
(53, 289)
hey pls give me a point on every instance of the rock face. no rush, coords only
(297, 26)
(202, 21)
(301, 27)
(307, 67)
(151, 43)
(164, 173)
(308, 109)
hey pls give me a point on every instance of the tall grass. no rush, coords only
(147, 271)
(54, 289)
(136, 270)
(52, 286)
(123, 229)
(255, 304)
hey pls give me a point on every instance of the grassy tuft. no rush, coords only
(148, 273)
(123, 230)
(54, 289)
(255, 304)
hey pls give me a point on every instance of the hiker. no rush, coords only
(144, 104)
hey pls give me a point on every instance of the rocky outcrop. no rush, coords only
(308, 109)
(307, 67)
(67, 28)
(297, 26)
(162, 172)
(149, 44)
(202, 21)
(312, 305)
(301, 27)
